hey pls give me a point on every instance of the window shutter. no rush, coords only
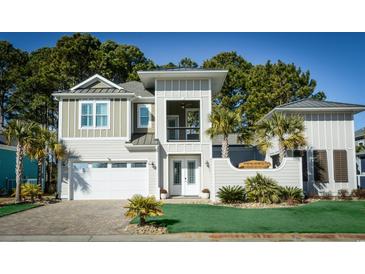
(320, 166)
(303, 155)
(340, 166)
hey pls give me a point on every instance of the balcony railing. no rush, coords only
(183, 134)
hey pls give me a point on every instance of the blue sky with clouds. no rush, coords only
(336, 60)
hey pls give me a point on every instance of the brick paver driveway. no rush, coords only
(68, 218)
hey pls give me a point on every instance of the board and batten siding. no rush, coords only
(71, 120)
(225, 174)
(108, 150)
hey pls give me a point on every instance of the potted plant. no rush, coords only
(163, 193)
(205, 193)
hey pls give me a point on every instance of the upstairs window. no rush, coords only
(101, 118)
(144, 115)
(86, 114)
(94, 114)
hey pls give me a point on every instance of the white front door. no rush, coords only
(184, 178)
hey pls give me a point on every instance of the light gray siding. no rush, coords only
(288, 174)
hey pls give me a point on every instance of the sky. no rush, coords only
(335, 60)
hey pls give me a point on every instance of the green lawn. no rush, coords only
(10, 209)
(317, 217)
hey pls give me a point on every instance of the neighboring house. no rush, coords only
(7, 167)
(140, 137)
(360, 156)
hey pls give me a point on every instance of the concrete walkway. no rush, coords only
(102, 217)
(189, 237)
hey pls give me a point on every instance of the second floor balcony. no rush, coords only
(183, 121)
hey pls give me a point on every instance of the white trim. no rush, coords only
(93, 78)
(60, 106)
(148, 106)
(94, 102)
(96, 138)
(129, 119)
(67, 95)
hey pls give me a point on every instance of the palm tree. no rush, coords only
(288, 130)
(21, 133)
(42, 146)
(224, 122)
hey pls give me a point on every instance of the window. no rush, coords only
(340, 166)
(119, 165)
(97, 111)
(99, 165)
(101, 116)
(86, 114)
(191, 172)
(144, 115)
(138, 165)
(177, 172)
(320, 166)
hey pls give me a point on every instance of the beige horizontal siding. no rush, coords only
(71, 120)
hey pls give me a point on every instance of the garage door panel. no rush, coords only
(109, 183)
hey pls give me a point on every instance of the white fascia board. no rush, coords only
(96, 76)
(335, 109)
(92, 95)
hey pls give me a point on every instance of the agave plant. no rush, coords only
(262, 189)
(143, 207)
(231, 194)
(292, 195)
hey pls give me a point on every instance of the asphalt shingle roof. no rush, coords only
(143, 139)
(312, 103)
(137, 88)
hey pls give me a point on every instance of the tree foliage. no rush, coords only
(12, 61)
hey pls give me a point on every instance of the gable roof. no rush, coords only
(137, 88)
(93, 79)
(313, 105)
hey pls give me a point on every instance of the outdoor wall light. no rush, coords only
(207, 164)
(152, 164)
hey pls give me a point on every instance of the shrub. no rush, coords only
(143, 207)
(28, 190)
(344, 194)
(231, 194)
(163, 191)
(358, 193)
(292, 195)
(262, 189)
(205, 190)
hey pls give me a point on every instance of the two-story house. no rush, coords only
(142, 136)
(138, 137)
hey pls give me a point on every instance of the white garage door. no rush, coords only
(101, 180)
